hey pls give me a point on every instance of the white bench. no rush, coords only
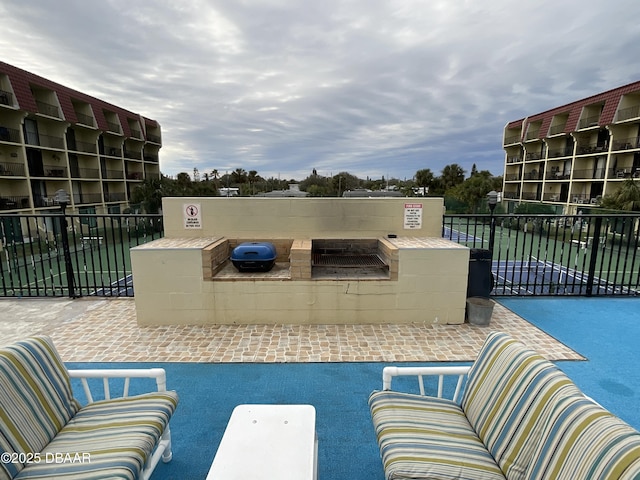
(91, 240)
(268, 441)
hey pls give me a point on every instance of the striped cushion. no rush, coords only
(426, 437)
(586, 442)
(117, 448)
(35, 398)
(508, 396)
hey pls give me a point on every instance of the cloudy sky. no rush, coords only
(372, 87)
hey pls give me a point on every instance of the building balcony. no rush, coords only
(514, 159)
(557, 175)
(57, 172)
(628, 113)
(113, 174)
(84, 147)
(48, 109)
(589, 122)
(580, 198)
(115, 197)
(9, 135)
(554, 197)
(84, 198)
(621, 173)
(133, 155)
(6, 98)
(14, 202)
(151, 158)
(589, 149)
(47, 141)
(532, 156)
(589, 174)
(557, 129)
(530, 196)
(511, 195)
(153, 138)
(85, 120)
(12, 169)
(533, 175)
(512, 177)
(559, 152)
(625, 144)
(114, 127)
(512, 140)
(87, 173)
(134, 176)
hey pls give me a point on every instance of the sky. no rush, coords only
(376, 88)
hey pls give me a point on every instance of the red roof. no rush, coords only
(22, 82)
(610, 100)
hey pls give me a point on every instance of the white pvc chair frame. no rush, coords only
(163, 449)
(421, 372)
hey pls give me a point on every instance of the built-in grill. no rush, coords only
(346, 260)
(347, 257)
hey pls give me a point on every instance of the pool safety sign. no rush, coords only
(192, 215)
(412, 216)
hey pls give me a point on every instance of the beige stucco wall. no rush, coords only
(170, 289)
(176, 278)
(246, 217)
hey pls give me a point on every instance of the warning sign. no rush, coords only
(192, 216)
(412, 216)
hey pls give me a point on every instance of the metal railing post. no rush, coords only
(594, 255)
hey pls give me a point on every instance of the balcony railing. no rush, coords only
(82, 198)
(580, 198)
(556, 129)
(507, 141)
(557, 175)
(85, 119)
(511, 195)
(48, 109)
(627, 113)
(48, 141)
(115, 197)
(6, 98)
(134, 176)
(626, 144)
(533, 135)
(511, 177)
(589, 122)
(153, 138)
(8, 169)
(530, 196)
(589, 174)
(533, 175)
(559, 152)
(533, 156)
(9, 134)
(88, 173)
(113, 174)
(623, 172)
(114, 127)
(514, 159)
(136, 134)
(113, 151)
(554, 197)
(134, 155)
(55, 171)
(13, 203)
(151, 158)
(85, 147)
(588, 149)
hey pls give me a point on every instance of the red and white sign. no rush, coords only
(412, 216)
(192, 216)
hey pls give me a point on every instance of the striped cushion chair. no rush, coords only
(427, 437)
(35, 399)
(510, 394)
(105, 439)
(584, 441)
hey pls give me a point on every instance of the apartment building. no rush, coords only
(55, 138)
(573, 155)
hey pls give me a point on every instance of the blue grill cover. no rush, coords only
(254, 256)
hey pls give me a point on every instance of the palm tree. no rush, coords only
(626, 198)
(239, 175)
(424, 179)
(452, 175)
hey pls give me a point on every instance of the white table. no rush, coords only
(265, 442)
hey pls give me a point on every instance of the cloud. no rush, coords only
(373, 87)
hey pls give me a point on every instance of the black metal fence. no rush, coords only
(531, 254)
(71, 255)
(555, 254)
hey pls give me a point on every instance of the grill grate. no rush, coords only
(347, 261)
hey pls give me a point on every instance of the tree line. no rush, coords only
(470, 191)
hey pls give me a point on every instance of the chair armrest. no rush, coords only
(126, 374)
(441, 372)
